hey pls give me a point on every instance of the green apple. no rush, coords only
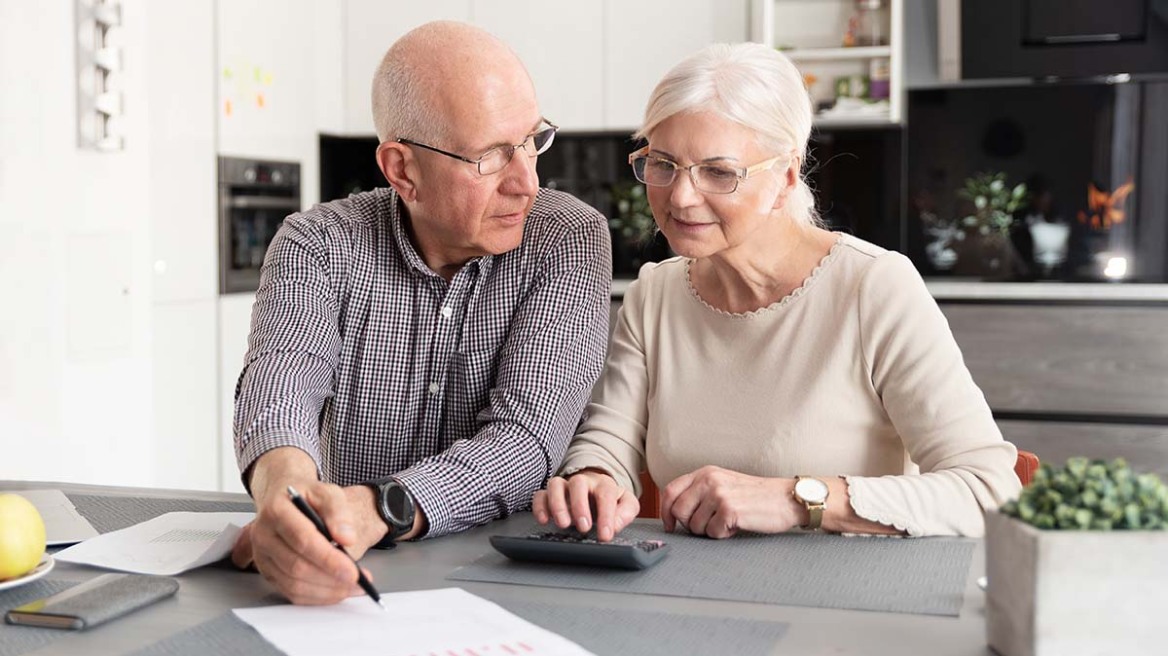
(22, 536)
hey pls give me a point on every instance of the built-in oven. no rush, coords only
(254, 198)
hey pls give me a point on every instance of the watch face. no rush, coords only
(811, 490)
(399, 505)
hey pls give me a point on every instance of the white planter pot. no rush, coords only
(1072, 593)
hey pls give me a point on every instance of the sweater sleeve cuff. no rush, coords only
(575, 463)
(866, 499)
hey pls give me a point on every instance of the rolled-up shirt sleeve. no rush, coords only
(293, 348)
(547, 366)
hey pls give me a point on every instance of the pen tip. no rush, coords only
(383, 608)
(292, 491)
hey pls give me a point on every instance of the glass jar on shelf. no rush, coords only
(867, 26)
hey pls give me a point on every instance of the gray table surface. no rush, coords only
(206, 593)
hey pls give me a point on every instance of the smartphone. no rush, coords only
(94, 602)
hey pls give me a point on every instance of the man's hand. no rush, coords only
(571, 500)
(285, 546)
(718, 502)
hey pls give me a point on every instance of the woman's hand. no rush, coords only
(719, 502)
(571, 500)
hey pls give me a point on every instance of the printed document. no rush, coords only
(167, 545)
(445, 621)
(63, 524)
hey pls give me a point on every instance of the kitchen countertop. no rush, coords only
(954, 290)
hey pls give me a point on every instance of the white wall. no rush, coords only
(79, 302)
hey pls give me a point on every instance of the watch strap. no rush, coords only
(814, 516)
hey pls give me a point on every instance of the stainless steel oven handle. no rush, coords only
(264, 203)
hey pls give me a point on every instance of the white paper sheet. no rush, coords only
(167, 545)
(445, 621)
(63, 524)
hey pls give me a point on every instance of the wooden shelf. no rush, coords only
(859, 121)
(834, 54)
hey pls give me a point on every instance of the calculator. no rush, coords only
(572, 548)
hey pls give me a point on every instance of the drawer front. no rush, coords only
(1144, 447)
(1073, 359)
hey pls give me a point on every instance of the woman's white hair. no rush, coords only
(753, 85)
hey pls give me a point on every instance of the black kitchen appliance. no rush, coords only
(1053, 38)
(254, 198)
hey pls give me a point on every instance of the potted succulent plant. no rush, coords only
(1078, 564)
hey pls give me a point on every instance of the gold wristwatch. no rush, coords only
(812, 492)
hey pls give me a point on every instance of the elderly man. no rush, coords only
(420, 356)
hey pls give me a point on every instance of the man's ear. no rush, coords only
(397, 165)
(790, 181)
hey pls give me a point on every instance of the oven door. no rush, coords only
(246, 227)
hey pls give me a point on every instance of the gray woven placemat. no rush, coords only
(115, 513)
(601, 631)
(604, 631)
(16, 640)
(226, 635)
(925, 575)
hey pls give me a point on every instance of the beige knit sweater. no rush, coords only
(855, 373)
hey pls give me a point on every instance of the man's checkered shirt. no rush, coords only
(467, 391)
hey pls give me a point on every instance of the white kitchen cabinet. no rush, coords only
(272, 82)
(234, 325)
(562, 44)
(370, 27)
(593, 63)
(644, 39)
(183, 362)
(181, 185)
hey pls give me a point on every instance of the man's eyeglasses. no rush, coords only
(710, 178)
(495, 159)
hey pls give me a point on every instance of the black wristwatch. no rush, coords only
(395, 504)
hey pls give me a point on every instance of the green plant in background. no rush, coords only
(634, 219)
(994, 202)
(1092, 495)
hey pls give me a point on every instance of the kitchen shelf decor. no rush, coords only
(851, 54)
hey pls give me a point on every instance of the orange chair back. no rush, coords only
(650, 497)
(1024, 467)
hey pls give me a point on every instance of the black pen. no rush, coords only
(303, 506)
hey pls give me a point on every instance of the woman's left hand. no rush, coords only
(718, 502)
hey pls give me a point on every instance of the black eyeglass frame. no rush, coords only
(479, 162)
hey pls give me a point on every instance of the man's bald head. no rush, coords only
(434, 73)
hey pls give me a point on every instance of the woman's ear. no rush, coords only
(790, 179)
(396, 163)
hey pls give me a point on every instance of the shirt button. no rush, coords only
(433, 388)
(446, 312)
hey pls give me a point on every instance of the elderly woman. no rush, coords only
(775, 375)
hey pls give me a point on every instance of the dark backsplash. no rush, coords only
(856, 175)
(1094, 157)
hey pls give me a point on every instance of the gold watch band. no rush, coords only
(814, 516)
